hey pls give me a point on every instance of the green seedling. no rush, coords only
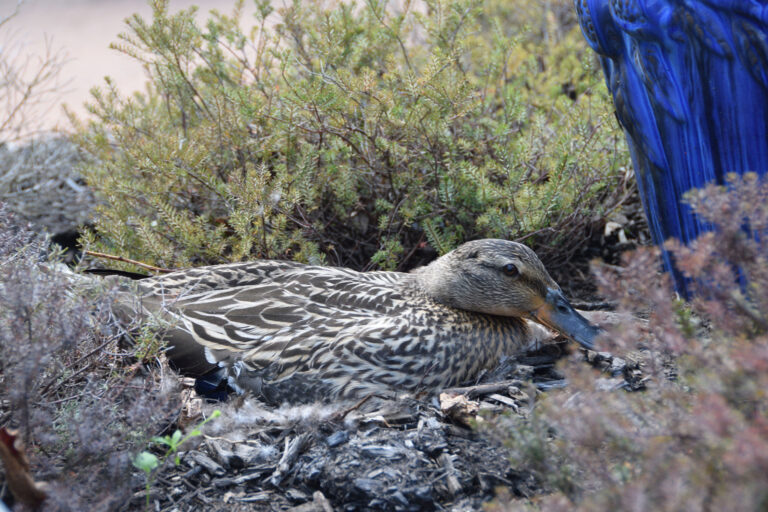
(149, 462)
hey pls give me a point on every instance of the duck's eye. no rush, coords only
(511, 270)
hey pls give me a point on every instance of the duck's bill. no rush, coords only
(558, 314)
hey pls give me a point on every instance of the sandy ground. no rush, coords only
(83, 29)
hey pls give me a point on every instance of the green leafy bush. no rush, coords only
(697, 438)
(353, 134)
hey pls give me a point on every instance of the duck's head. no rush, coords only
(499, 277)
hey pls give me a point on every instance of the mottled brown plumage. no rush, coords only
(294, 332)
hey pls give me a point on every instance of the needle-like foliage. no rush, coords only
(353, 133)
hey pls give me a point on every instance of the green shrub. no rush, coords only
(352, 134)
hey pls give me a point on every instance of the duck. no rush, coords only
(293, 332)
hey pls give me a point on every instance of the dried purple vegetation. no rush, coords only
(697, 437)
(66, 384)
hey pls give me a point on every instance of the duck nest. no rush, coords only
(415, 453)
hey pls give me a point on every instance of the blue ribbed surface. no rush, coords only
(690, 84)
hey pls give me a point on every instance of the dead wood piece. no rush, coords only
(429, 438)
(454, 486)
(337, 438)
(319, 503)
(296, 496)
(551, 384)
(505, 400)
(524, 371)
(254, 473)
(489, 481)
(20, 481)
(618, 365)
(390, 413)
(210, 465)
(293, 448)
(607, 362)
(339, 416)
(205, 499)
(598, 357)
(256, 497)
(155, 494)
(458, 407)
(319, 498)
(189, 495)
(193, 472)
(223, 455)
(488, 407)
(610, 384)
(250, 455)
(381, 451)
(223, 483)
(483, 389)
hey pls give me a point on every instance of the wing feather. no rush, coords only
(276, 316)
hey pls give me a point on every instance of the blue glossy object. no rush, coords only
(690, 85)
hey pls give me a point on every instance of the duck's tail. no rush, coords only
(134, 306)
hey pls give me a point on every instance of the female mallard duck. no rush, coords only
(295, 332)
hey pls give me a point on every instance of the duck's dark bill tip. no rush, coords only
(558, 314)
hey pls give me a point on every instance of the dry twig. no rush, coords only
(132, 262)
(292, 450)
(483, 389)
(454, 486)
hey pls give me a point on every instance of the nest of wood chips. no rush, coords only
(407, 454)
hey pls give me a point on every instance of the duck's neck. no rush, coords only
(438, 281)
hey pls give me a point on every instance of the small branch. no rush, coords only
(4, 20)
(132, 262)
(483, 389)
(292, 450)
(396, 35)
(454, 486)
(504, 400)
(343, 414)
(44, 389)
(538, 231)
(743, 305)
(70, 377)
(321, 503)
